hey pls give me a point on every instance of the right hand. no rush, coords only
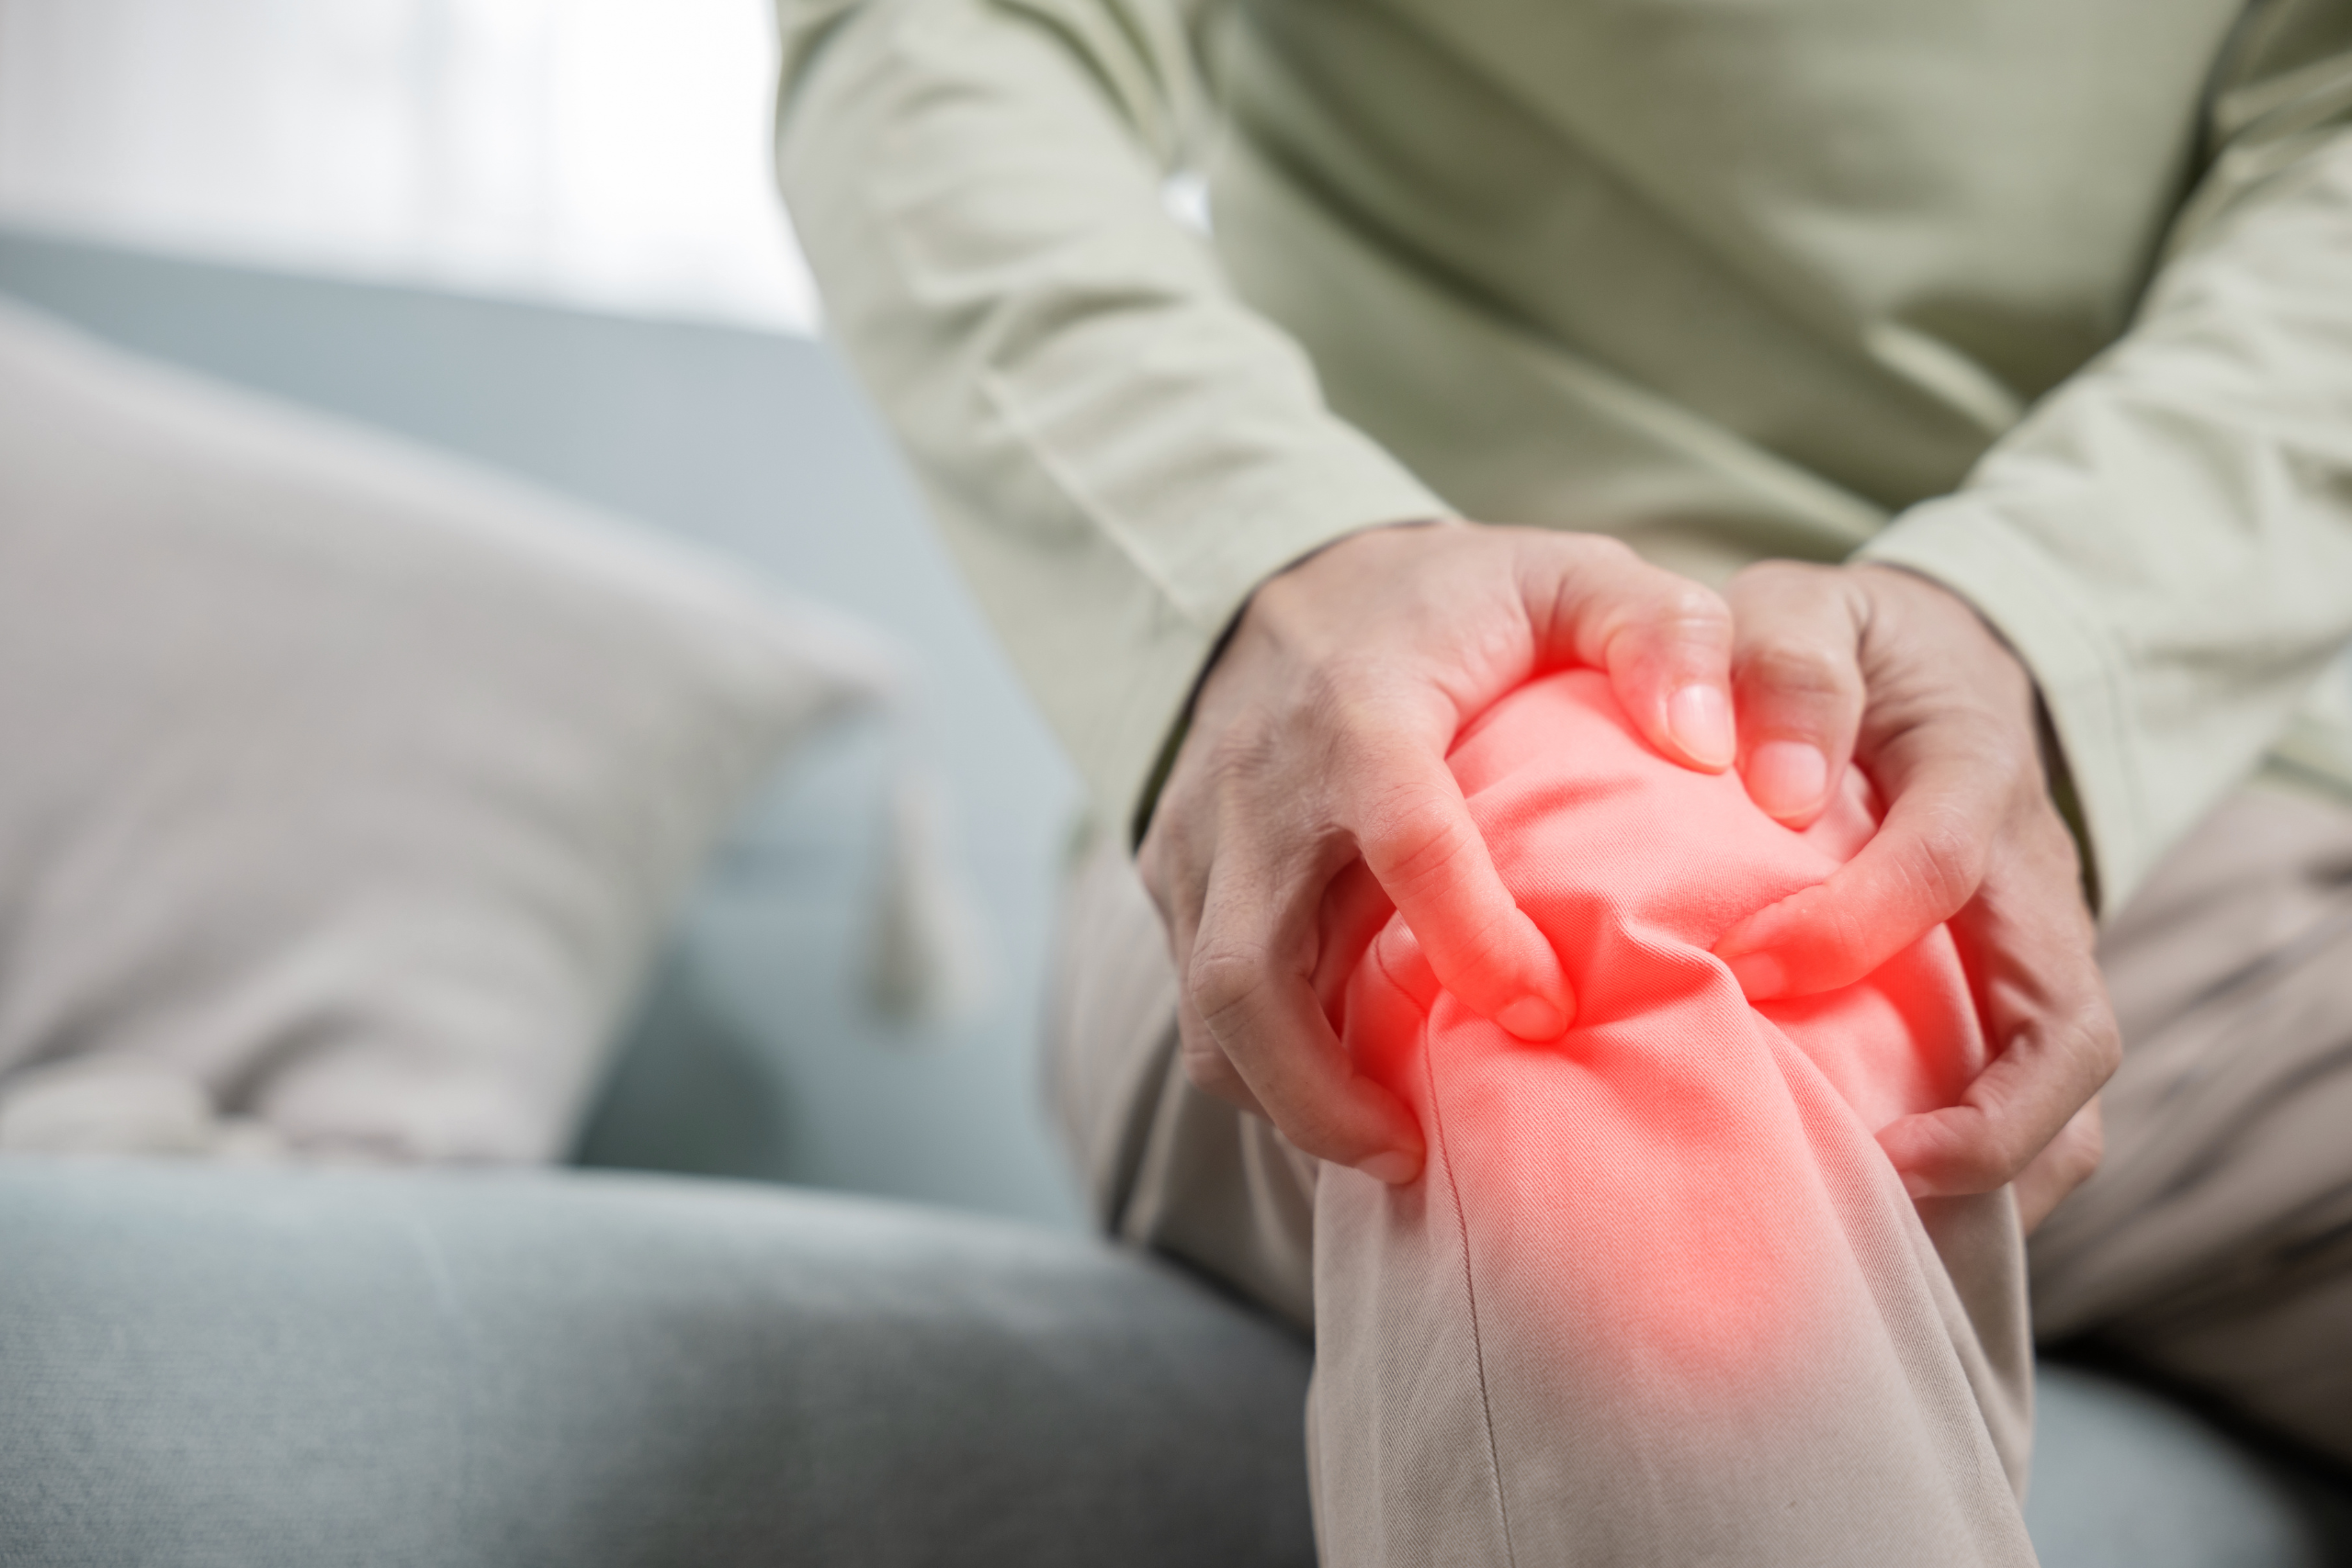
(1902, 677)
(1311, 796)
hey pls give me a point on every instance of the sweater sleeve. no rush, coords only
(1117, 449)
(2166, 538)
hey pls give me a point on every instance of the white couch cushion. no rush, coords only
(345, 789)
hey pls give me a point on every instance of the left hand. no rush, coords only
(1874, 666)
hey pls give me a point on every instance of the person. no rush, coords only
(1960, 393)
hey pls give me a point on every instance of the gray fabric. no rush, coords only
(349, 788)
(2214, 1245)
(201, 1366)
(213, 1367)
(754, 446)
(2123, 1479)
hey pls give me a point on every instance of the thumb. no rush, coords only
(1665, 640)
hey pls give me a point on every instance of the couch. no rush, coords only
(589, 1368)
(216, 1364)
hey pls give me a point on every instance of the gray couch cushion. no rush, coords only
(349, 788)
(2124, 1479)
(216, 1366)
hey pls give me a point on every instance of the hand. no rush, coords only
(1311, 796)
(1888, 669)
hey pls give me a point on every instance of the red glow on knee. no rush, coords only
(1660, 1189)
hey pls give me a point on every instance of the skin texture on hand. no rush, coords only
(1872, 666)
(1311, 796)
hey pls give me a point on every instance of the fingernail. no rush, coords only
(1787, 778)
(1699, 717)
(1759, 974)
(1532, 1018)
(1395, 1168)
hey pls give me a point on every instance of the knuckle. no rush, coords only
(1152, 864)
(1980, 1164)
(2088, 1040)
(1222, 980)
(1836, 938)
(1347, 717)
(1651, 606)
(1173, 872)
(1946, 859)
(1695, 612)
(1599, 552)
(1670, 596)
(1790, 667)
(1410, 839)
(1238, 756)
(1342, 695)
(2107, 1049)
(1209, 1068)
(1849, 942)
(2086, 1147)
(1778, 580)
(2099, 1039)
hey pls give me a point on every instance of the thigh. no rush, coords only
(2215, 1243)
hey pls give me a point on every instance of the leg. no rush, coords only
(1446, 1424)
(2215, 1243)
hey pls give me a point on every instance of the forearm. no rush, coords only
(2168, 539)
(1115, 450)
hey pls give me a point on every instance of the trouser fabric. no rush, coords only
(2213, 1245)
(1659, 1295)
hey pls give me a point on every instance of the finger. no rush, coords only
(1797, 683)
(2027, 943)
(1926, 861)
(1204, 1060)
(1260, 1009)
(1416, 834)
(2065, 1163)
(2010, 1113)
(1168, 861)
(1354, 909)
(1173, 862)
(1206, 1063)
(1665, 640)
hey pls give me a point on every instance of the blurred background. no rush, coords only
(542, 234)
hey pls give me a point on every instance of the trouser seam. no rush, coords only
(1470, 1296)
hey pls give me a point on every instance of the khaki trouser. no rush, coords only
(2215, 1245)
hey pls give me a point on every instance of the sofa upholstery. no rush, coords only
(213, 1366)
(207, 1367)
(256, 1369)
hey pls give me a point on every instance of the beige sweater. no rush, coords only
(2050, 300)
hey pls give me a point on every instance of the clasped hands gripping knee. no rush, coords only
(1820, 788)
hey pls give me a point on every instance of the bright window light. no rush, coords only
(607, 154)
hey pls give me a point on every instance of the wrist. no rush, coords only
(1148, 801)
(2057, 776)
